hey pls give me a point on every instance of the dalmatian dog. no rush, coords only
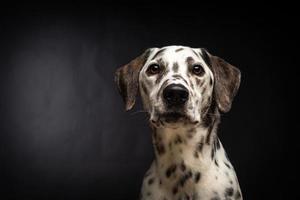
(184, 90)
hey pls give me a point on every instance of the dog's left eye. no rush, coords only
(153, 69)
(198, 70)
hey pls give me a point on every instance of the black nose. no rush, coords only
(175, 95)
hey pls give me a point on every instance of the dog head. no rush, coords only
(179, 84)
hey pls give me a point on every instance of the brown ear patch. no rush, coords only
(227, 80)
(179, 49)
(126, 78)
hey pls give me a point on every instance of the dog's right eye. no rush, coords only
(198, 70)
(153, 69)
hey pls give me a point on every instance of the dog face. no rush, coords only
(175, 85)
(179, 84)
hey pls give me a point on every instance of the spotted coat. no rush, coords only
(190, 161)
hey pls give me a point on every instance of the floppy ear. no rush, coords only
(227, 81)
(127, 79)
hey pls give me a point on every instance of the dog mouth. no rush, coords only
(172, 117)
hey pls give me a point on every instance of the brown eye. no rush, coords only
(154, 69)
(198, 70)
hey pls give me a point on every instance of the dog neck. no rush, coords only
(185, 147)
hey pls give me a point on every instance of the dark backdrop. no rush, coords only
(64, 132)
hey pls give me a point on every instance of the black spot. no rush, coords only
(196, 155)
(180, 49)
(228, 192)
(185, 81)
(170, 170)
(155, 133)
(227, 165)
(213, 150)
(216, 163)
(160, 148)
(215, 144)
(200, 144)
(215, 198)
(175, 67)
(190, 60)
(158, 53)
(212, 153)
(218, 143)
(231, 182)
(195, 53)
(184, 178)
(178, 140)
(210, 81)
(150, 181)
(160, 182)
(197, 177)
(175, 190)
(182, 166)
(148, 193)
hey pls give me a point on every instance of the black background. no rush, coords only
(64, 132)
